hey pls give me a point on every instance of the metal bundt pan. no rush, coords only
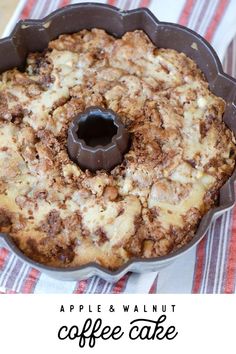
(98, 157)
(34, 35)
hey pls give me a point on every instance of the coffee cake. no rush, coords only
(181, 151)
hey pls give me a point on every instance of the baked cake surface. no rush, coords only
(150, 205)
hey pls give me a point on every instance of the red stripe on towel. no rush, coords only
(26, 11)
(229, 286)
(30, 282)
(186, 12)
(64, 3)
(199, 266)
(4, 253)
(145, 3)
(121, 284)
(153, 288)
(220, 10)
(112, 2)
(81, 286)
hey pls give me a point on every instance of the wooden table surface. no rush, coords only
(7, 8)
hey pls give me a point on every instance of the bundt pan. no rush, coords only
(34, 35)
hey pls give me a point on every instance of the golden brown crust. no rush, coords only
(150, 205)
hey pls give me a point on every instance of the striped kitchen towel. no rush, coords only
(211, 266)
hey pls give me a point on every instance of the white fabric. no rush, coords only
(178, 277)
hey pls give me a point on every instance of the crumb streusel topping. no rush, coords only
(150, 205)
